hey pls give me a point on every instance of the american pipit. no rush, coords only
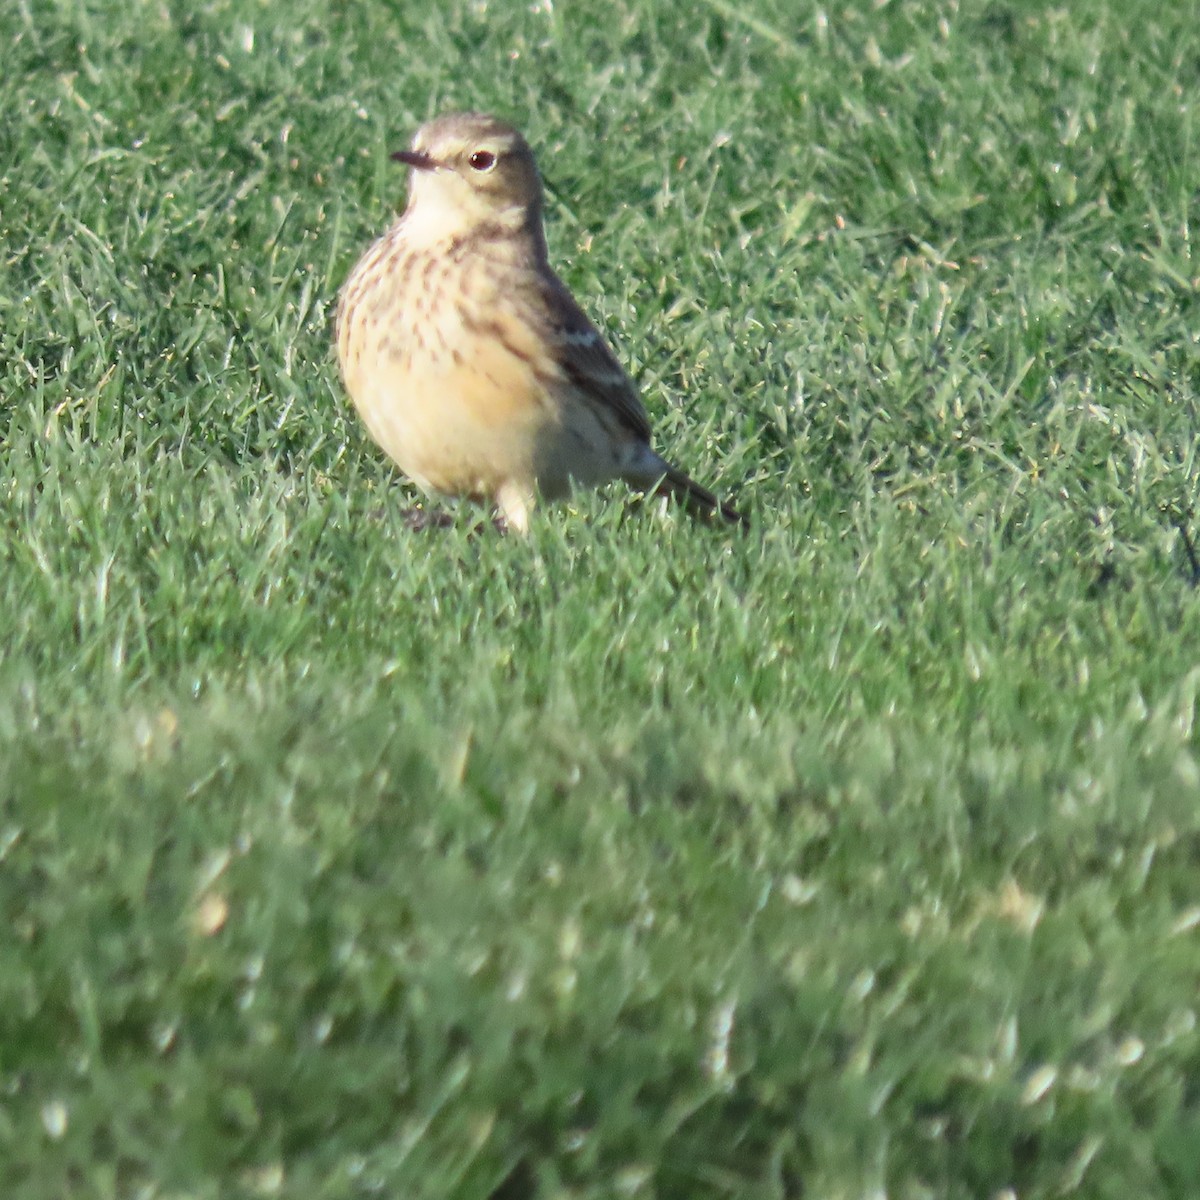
(468, 358)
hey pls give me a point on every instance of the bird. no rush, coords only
(466, 356)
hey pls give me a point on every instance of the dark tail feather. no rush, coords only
(699, 501)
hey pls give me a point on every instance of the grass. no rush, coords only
(855, 858)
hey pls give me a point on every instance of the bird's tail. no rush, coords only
(698, 500)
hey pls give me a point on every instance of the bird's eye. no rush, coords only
(482, 160)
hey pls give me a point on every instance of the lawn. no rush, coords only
(857, 857)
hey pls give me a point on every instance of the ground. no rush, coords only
(855, 857)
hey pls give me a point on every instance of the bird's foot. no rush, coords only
(420, 519)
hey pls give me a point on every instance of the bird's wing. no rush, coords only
(590, 364)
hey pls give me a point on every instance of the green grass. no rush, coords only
(854, 858)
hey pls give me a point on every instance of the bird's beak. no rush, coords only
(414, 158)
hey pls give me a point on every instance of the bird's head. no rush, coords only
(470, 171)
